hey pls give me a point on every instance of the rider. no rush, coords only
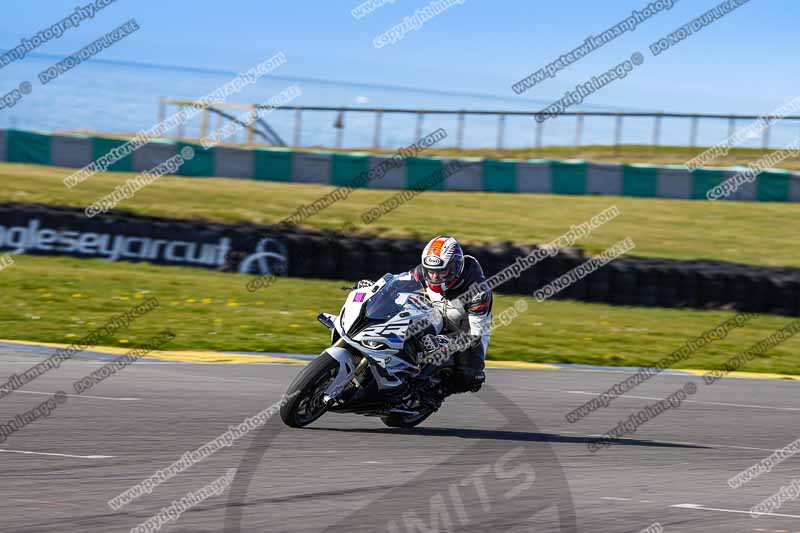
(448, 276)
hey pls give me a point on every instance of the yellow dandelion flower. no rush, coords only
(208, 301)
(77, 295)
(190, 300)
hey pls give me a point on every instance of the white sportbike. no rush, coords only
(376, 365)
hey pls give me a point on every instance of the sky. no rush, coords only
(742, 63)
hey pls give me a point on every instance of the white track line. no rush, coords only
(700, 507)
(80, 396)
(46, 502)
(691, 401)
(615, 499)
(59, 454)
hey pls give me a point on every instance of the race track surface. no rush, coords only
(502, 460)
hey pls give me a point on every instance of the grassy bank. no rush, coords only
(62, 299)
(749, 232)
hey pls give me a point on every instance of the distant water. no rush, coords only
(118, 97)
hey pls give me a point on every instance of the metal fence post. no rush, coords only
(539, 133)
(376, 141)
(765, 137)
(251, 127)
(618, 133)
(204, 123)
(693, 134)
(220, 122)
(339, 126)
(460, 132)
(501, 130)
(657, 130)
(181, 125)
(579, 129)
(420, 118)
(298, 125)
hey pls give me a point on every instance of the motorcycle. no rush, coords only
(376, 364)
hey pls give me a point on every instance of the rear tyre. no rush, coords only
(305, 403)
(398, 420)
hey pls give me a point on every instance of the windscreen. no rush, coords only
(390, 299)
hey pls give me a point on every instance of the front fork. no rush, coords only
(350, 370)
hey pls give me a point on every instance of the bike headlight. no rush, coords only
(374, 345)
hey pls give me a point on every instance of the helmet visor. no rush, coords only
(440, 275)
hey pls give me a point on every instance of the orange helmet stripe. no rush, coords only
(436, 246)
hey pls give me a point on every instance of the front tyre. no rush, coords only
(306, 404)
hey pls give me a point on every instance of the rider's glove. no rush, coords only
(436, 347)
(364, 283)
(477, 381)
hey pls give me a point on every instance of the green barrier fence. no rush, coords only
(773, 186)
(500, 176)
(345, 168)
(27, 147)
(419, 173)
(703, 180)
(639, 181)
(202, 164)
(102, 146)
(569, 177)
(272, 165)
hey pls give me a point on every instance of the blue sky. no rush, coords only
(743, 63)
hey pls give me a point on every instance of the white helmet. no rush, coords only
(442, 263)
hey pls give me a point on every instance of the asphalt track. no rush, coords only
(502, 460)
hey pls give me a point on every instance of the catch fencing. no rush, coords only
(566, 128)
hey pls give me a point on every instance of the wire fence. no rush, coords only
(342, 127)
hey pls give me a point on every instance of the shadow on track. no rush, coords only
(519, 436)
(535, 490)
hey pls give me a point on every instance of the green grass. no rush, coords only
(62, 299)
(748, 232)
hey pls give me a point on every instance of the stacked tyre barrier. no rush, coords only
(629, 280)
